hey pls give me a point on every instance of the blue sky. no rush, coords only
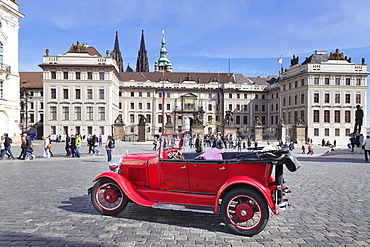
(201, 35)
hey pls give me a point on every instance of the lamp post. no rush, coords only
(24, 96)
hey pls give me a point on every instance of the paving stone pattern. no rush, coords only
(44, 202)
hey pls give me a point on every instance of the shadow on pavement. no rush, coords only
(209, 222)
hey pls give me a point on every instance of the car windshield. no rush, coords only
(171, 140)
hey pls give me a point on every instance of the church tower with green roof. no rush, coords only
(163, 64)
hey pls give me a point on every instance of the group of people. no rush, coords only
(73, 144)
(26, 148)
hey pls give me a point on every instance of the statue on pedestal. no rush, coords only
(359, 115)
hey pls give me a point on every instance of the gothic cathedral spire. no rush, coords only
(116, 54)
(142, 64)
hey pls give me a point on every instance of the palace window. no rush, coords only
(101, 113)
(337, 132)
(358, 98)
(77, 112)
(101, 75)
(132, 106)
(337, 81)
(78, 93)
(348, 98)
(65, 93)
(316, 116)
(337, 116)
(53, 112)
(316, 98)
(89, 75)
(326, 98)
(316, 132)
(89, 93)
(65, 110)
(326, 116)
(78, 75)
(316, 81)
(89, 113)
(148, 118)
(358, 82)
(348, 81)
(101, 93)
(326, 131)
(53, 93)
(53, 75)
(140, 106)
(148, 106)
(337, 98)
(347, 116)
(101, 130)
(326, 81)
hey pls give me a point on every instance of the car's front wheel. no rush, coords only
(107, 197)
(244, 211)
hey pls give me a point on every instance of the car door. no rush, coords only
(173, 175)
(206, 176)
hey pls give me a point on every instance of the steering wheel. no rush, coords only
(173, 153)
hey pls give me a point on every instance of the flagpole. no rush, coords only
(163, 106)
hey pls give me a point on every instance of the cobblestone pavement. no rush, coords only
(44, 202)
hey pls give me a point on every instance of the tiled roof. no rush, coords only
(176, 77)
(92, 51)
(31, 79)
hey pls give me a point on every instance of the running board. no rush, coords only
(185, 207)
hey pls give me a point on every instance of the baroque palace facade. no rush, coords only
(9, 76)
(84, 92)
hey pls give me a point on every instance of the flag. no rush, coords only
(280, 60)
(163, 95)
(218, 96)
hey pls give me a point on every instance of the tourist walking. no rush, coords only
(94, 143)
(109, 146)
(303, 149)
(155, 142)
(366, 147)
(29, 149)
(68, 145)
(78, 144)
(47, 146)
(198, 144)
(310, 149)
(2, 147)
(7, 144)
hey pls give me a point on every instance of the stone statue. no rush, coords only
(77, 48)
(47, 52)
(359, 115)
(294, 60)
(142, 119)
(299, 121)
(119, 119)
(363, 60)
(281, 121)
(169, 120)
(228, 117)
(257, 122)
(198, 117)
(336, 55)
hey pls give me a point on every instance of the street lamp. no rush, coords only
(25, 96)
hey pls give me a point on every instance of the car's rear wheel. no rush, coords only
(244, 211)
(107, 197)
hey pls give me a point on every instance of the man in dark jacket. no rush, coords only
(7, 145)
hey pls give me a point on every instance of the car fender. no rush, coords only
(127, 187)
(264, 190)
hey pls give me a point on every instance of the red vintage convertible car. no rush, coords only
(237, 185)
